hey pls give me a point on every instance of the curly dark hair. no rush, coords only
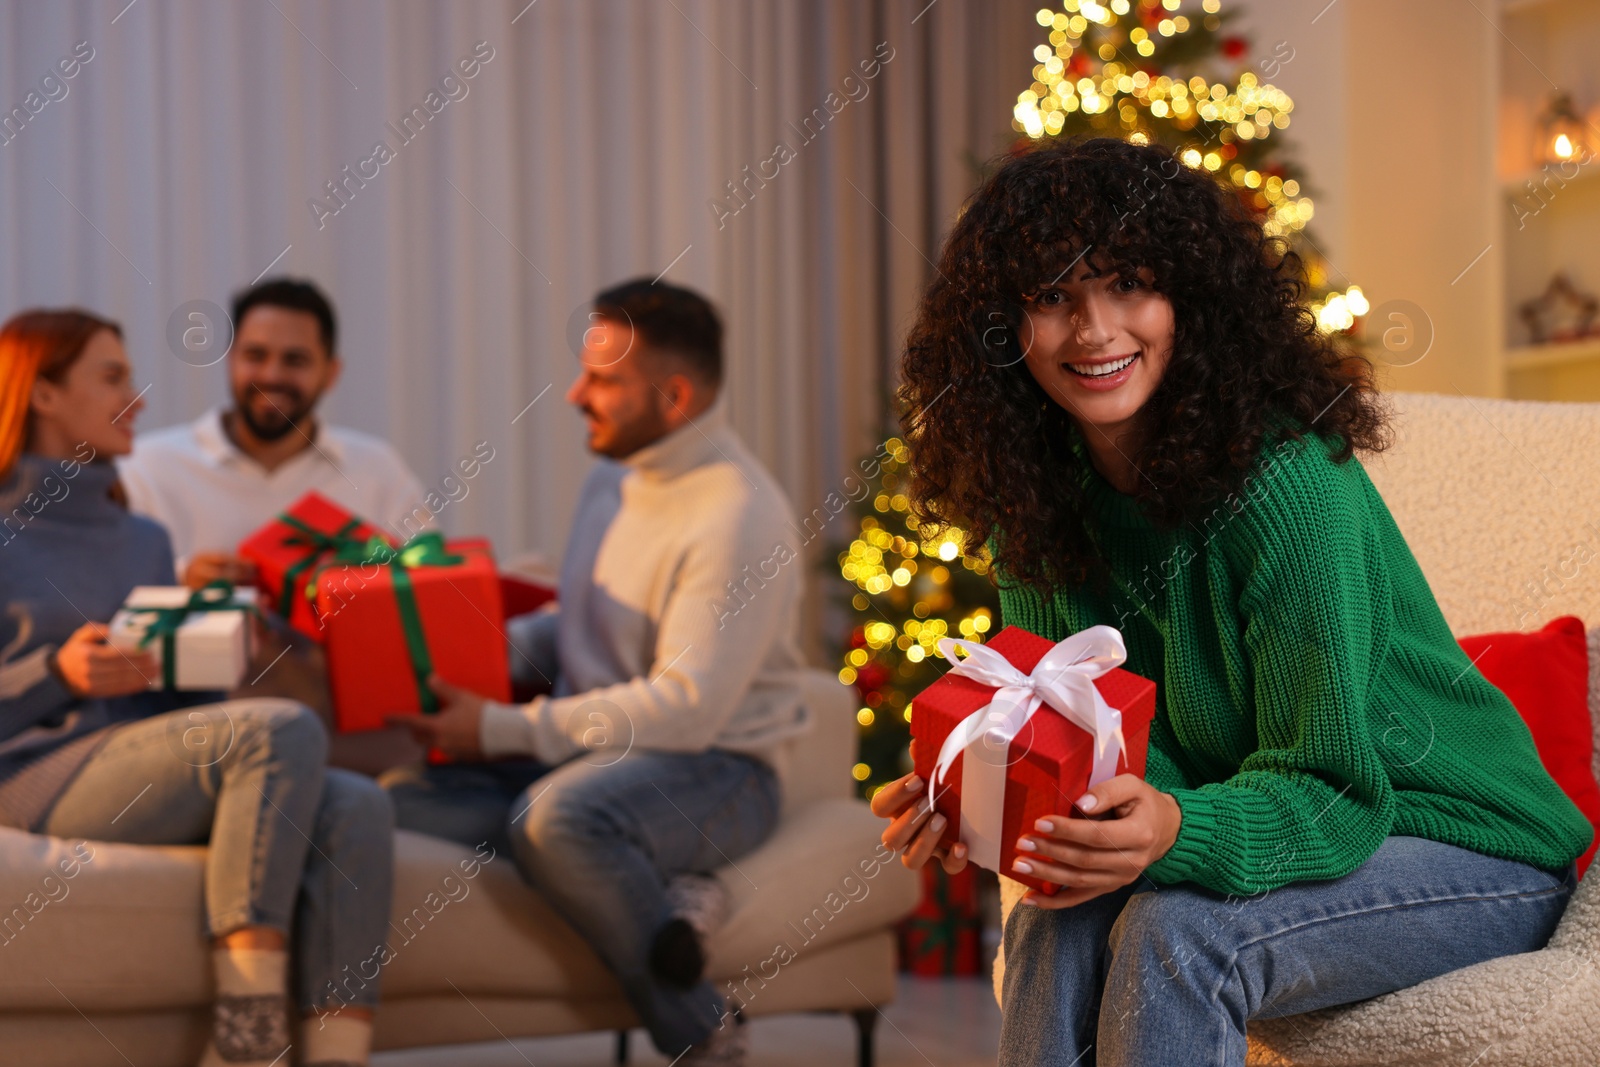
(992, 449)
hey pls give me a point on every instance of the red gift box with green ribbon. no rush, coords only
(944, 935)
(393, 615)
(288, 550)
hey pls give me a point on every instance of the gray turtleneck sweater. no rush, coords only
(69, 555)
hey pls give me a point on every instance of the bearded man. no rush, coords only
(214, 481)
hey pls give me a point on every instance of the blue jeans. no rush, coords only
(1168, 976)
(599, 840)
(292, 844)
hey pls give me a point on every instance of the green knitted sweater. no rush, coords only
(1310, 699)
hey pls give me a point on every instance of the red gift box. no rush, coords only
(288, 551)
(1049, 761)
(454, 613)
(944, 935)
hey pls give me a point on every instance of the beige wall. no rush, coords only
(1393, 122)
(1422, 197)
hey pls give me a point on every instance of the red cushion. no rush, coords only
(1546, 676)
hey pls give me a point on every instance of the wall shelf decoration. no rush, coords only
(1547, 158)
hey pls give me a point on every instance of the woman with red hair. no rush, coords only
(86, 750)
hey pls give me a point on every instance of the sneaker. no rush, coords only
(698, 905)
(728, 1046)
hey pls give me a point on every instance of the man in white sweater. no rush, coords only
(674, 663)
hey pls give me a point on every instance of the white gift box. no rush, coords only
(212, 648)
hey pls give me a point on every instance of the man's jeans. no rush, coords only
(598, 837)
(1168, 976)
(294, 845)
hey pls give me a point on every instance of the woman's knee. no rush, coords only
(286, 729)
(1026, 927)
(1171, 926)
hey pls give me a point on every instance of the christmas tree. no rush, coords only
(1144, 71)
(910, 586)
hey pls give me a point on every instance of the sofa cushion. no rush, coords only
(819, 880)
(1546, 676)
(458, 917)
(123, 929)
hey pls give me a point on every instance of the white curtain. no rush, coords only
(593, 142)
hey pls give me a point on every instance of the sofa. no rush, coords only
(1492, 496)
(109, 966)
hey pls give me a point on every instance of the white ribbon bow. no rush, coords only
(1063, 679)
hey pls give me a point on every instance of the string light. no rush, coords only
(910, 580)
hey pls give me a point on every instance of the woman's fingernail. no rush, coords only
(914, 784)
(1024, 845)
(959, 851)
(937, 822)
(1022, 867)
(1045, 826)
(1088, 802)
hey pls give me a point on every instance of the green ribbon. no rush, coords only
(318, 544)
(165, 622)
(423, 550)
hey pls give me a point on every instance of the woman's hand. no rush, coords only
(1093, 856)
(89, 667)
(912, 830)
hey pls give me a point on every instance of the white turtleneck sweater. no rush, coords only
(676, 628)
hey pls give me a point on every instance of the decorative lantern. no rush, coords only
(1562, 134)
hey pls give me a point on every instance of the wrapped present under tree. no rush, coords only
(944, 935)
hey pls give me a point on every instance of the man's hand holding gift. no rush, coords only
(453, 729)
(88, 666)
(206, 567)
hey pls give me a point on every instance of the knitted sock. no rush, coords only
(698, 905)
(249, 1022)
(332, 1040)
(676, 957)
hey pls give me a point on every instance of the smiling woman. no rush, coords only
(1099, 344)
(1088, 253)
(67, 384)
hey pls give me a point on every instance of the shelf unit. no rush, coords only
(1549, 217)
